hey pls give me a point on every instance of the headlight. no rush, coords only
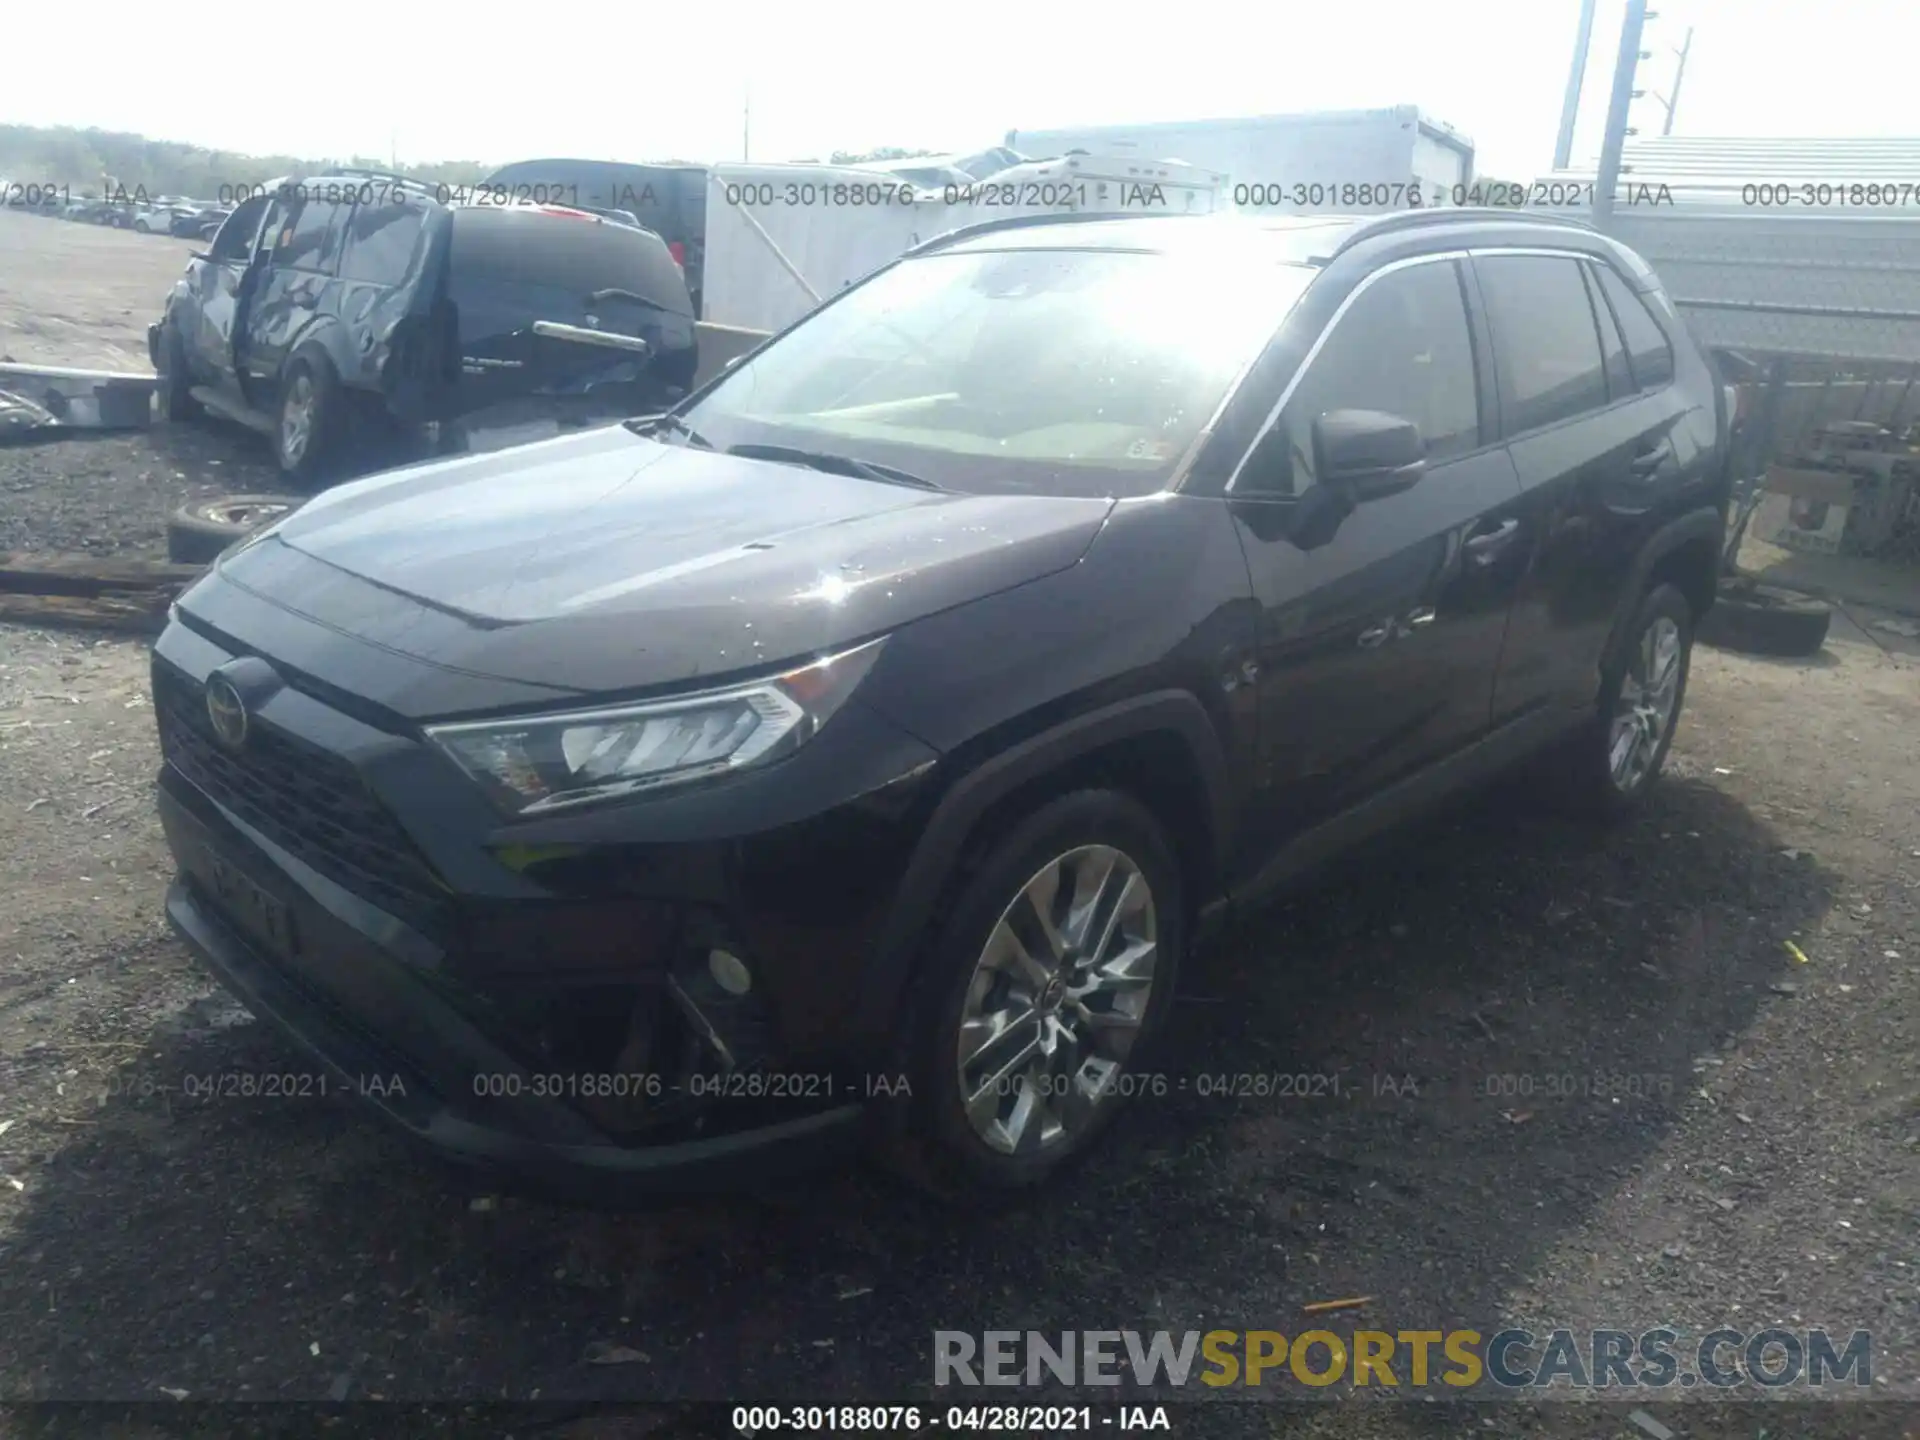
(538, 763)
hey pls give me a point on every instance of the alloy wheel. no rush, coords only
(246, 514)
(296, 418)
(1644, 711)
(1056, 1001)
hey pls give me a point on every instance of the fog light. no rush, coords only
(729, 972)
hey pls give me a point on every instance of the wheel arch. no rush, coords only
(318, 344)
(1160, 748)
(1684, 552)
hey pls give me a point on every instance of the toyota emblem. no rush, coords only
(226, 712)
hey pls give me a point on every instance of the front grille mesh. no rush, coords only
(311, 803)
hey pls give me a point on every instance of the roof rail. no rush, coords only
(370, 173)
(1399, 220)
(1027, 222)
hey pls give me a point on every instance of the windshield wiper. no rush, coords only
(645, 424)
(834, 464)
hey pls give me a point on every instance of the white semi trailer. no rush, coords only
(1351, 161)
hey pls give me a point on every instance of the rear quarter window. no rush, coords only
(1648, 351)
(498, 248)
(380, 241)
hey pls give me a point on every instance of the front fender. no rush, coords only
(970, 797)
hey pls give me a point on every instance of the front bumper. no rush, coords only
(351, 887)
(410, 1072)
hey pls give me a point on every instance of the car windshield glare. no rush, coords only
(1047, 371)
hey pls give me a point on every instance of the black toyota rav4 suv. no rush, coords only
(855, 751)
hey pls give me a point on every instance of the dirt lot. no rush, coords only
(1712, 1133)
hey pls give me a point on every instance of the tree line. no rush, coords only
(92, 163)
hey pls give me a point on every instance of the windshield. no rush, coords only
(1058, 372)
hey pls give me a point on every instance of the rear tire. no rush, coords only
(1043, 1025)
(1618, 754)
(306, 428)
(1765, 620)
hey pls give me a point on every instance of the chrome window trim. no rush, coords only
(1556, 253)
(1183, 467)
(1392, 267)
(1320, 340)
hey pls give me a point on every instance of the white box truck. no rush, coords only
(1091, 183)
(1353, 161)
(782, 238)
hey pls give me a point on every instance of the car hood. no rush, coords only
(607, 561)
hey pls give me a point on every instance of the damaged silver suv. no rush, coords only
(341, 313)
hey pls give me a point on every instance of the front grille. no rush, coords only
(310, 803)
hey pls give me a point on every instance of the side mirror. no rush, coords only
(1369, 454)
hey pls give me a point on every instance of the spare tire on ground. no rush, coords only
(198, 531)
(1765, 620)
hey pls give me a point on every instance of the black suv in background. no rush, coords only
(859, 748)
(335, 309)
(197, 220)
(668, 199)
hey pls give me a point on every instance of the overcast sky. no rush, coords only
(615, 79)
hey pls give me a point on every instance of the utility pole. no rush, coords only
(746, 124)
(1672, 102)
(1576, 78)
(1618, 107)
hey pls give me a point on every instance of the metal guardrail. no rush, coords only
(38, 398)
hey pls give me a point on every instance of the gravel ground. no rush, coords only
(107, 494)
(83, 295)
(1583, 1082)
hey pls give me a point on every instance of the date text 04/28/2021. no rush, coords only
(754, 1420)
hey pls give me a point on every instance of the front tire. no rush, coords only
(1619, 756)
(175, 385)
(1048, 976)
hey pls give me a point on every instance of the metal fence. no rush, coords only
(1836, 461)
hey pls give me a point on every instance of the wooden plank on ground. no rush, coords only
(37, 573)
(144, 614)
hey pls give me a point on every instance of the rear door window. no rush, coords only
(1546, 345)
(312, 241)
(1647, 348)
(380, 241)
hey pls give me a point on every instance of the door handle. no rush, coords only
(1649, 460)
(1417, 618)
(1376, 635)
(1487, 546)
